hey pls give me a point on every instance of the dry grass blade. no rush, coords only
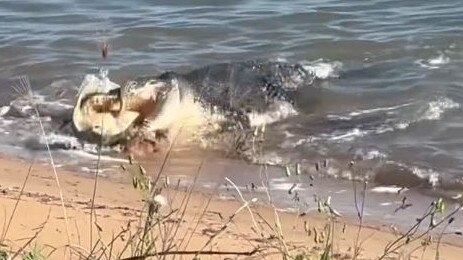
(95, 184)
(360, 215)
(413, 235)
(244, 201)
(197, 224)
(278, 227)
(168, 252)
(25, 90)
(235, 253)
(167, 156)
(80, 251)
(187, 200)
(225, 226)
(111, 243)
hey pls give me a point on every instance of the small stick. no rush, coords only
(225, 226)
(104, 50)
(246, 253)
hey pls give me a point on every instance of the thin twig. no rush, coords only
(279, 229)
(200, 252)
(224, 227)
(27, 92)
(440, 239)
(166, 157)
(95, 184)
(177, 227)
(78, 232)
(197, 224)
(391, 249)
(360, 216)
(243, 200)
(184, 211)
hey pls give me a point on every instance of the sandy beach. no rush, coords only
(207, 215)
(258, 129)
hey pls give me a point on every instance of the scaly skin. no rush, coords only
(233, 89)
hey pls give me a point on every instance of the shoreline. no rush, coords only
(117, 202)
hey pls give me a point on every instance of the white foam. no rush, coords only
(370, 155)
(4, 110)
(434, 110)
(299, 142)
(272, 158)
(323, 70)
(374, 154)
(437, 108)
(384, 129)
(63, 139)
(85, 154)
(279, 180)
(428, 174)
(348, 136)
(345, 136)
(378, 109)
(388, 189)
(93, 170)
(281, 59)
(336, 136)
(6, 122)
(434, 62)
(338, 117)
(88, 151)
(278, 111)
(284, 186)
(402, 125)
(332, 171)
(99, 84)
(441, 59)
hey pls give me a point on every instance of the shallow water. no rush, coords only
(387, 92)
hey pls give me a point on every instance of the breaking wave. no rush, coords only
(384, 119)
(402, 175)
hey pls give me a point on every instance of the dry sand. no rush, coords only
(117, 203)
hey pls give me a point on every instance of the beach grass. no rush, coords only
(162, 231)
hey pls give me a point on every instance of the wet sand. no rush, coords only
(117, 203)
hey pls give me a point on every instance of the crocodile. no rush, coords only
(112, 115)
